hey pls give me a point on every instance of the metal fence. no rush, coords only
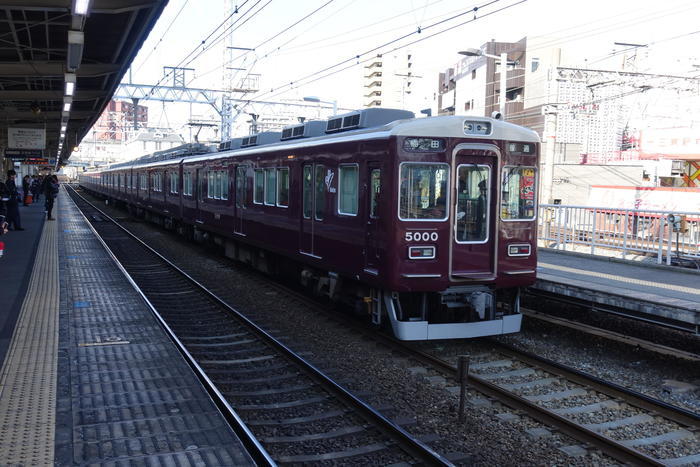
(629, 231)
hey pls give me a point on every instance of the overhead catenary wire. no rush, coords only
(307, 79)
(160, 41)
(314, 76)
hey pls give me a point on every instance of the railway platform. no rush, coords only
(88, 375)
(657, 293)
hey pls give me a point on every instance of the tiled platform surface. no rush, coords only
(123, 395)
(667, 292)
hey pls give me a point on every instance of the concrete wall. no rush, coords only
(572, 182)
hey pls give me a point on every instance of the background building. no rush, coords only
(119, 118)
(617, 123)
(388, 81)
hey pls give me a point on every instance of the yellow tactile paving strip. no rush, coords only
(28, 376)
(678, 288)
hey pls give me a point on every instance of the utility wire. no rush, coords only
(160, 41)
(307, 80)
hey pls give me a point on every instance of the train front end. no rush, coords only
(466, 233)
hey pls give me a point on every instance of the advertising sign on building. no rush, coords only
(26, 138)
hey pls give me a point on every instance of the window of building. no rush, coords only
(241, 186)
(535, 64)
(423, 191)
(320, 193)
(518, 193)
(348, 189)
(283, 187)
(259, 187)
(270, 186)
(375, 187)
(474, 74)
(473, 193)
(307, 193)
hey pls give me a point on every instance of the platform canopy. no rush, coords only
(60, 63)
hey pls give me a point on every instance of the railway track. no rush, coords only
(560, 397)
(297, 413)
(589, 409)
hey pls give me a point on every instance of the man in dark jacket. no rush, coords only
(13, 219)
(51, 191)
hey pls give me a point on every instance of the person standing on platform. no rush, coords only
(50, 191)
(34, 187)
(4, 197)
(25, 189)
(13, 219)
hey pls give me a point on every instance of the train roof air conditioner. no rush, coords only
(266, 137)
(304, 130)
(366, 118)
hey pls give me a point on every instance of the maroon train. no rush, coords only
(427, 224)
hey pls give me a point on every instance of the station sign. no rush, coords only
(23, 153)
(39, 161)
(26, 138)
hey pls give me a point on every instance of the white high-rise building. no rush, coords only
(388, 81)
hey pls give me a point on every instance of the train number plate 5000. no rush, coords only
(421, 236)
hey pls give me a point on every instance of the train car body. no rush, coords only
(427, 224)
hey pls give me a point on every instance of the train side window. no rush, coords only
(259, 188)
(320, 193)
(270, 186)
(224, 185)
(187, 183)
(174, 179)
(348, 189)
(307, 193)
(283, 187)
(375, 187)
(241, 186)
(210, 184)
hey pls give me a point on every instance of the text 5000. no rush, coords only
(421, 236)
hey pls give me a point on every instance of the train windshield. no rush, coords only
(423, 191)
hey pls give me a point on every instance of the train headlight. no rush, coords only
(421, 252)
(519, 250)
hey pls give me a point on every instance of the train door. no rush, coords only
(473, 232)
(240, 204)
(373, 188)
(313, 207)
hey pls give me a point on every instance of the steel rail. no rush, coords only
(414, 446)
(605, 444)
(611, 335)
(248, 439)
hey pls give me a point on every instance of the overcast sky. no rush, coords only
(343, 29)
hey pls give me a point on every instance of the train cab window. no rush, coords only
(375, 187)
(307, 193)
(348, 189)
(283, 187)
(241, 186)
(518, 194)
(423, 192)
(320, 193)
(259, 188)
(472, 208)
